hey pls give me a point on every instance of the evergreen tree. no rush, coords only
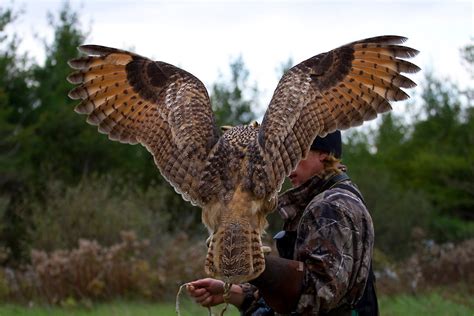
(467, 54)
(232, 101)
(16, 99)
(61, 145)
(16, 104)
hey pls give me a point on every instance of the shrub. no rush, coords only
(432, 265)
(95, 209)
(81, 253)
(444, 264)
(4, 290)
(447, 228)
(91, 272)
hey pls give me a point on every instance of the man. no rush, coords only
(325, 249)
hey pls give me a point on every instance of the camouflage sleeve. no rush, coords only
(251, 298)
(335, 240)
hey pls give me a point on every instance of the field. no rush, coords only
(433, 304)
(114, 309)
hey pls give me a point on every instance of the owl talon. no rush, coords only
(266, 249)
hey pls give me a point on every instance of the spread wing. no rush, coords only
(133, 100)
(334, 90)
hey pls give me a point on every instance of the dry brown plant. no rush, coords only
(91, 272)
(431, 266)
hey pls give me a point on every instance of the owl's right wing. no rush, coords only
(133, 100)
(334, 90)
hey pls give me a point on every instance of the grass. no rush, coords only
(121, 308)
(434, 304)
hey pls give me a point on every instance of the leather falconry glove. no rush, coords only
(280, 284)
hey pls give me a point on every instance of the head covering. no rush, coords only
(332, 144)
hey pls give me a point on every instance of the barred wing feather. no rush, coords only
(133, 100)
(334, 90)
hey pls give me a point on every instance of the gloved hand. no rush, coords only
(280, 284)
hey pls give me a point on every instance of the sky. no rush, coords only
(202, 37)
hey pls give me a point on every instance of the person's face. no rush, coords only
(307, 168)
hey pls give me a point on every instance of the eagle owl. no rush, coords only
(235, 177)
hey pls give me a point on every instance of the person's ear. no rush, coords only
(323, 155)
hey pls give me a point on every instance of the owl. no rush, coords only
(235, 176)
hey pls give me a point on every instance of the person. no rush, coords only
(325, 249)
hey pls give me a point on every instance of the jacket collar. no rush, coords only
(294, 200)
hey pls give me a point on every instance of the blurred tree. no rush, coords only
(396, 211)
(59, 144)
(16, 104)
(388, 139)
(284, 67)
(467, 54)
(439, 153)
(391, 133)
(430, 158)
(356, 150)
(232, 101)
(16, 98)
(42, 139)
(63, 147)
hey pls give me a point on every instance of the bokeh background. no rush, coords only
(88, 224)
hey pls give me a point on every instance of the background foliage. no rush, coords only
(61, 181)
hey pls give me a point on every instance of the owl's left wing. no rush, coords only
(133, 100)
(334, 90)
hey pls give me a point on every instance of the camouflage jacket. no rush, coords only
(335, 238)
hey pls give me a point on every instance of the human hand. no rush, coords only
(206, 292)
(209, 292)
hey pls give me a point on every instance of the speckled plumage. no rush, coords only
(235, 177)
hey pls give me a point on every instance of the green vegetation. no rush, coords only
(61, 181)
(232, 101)
(114, 309)
(433, 304)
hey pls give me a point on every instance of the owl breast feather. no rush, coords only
(235, 160)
